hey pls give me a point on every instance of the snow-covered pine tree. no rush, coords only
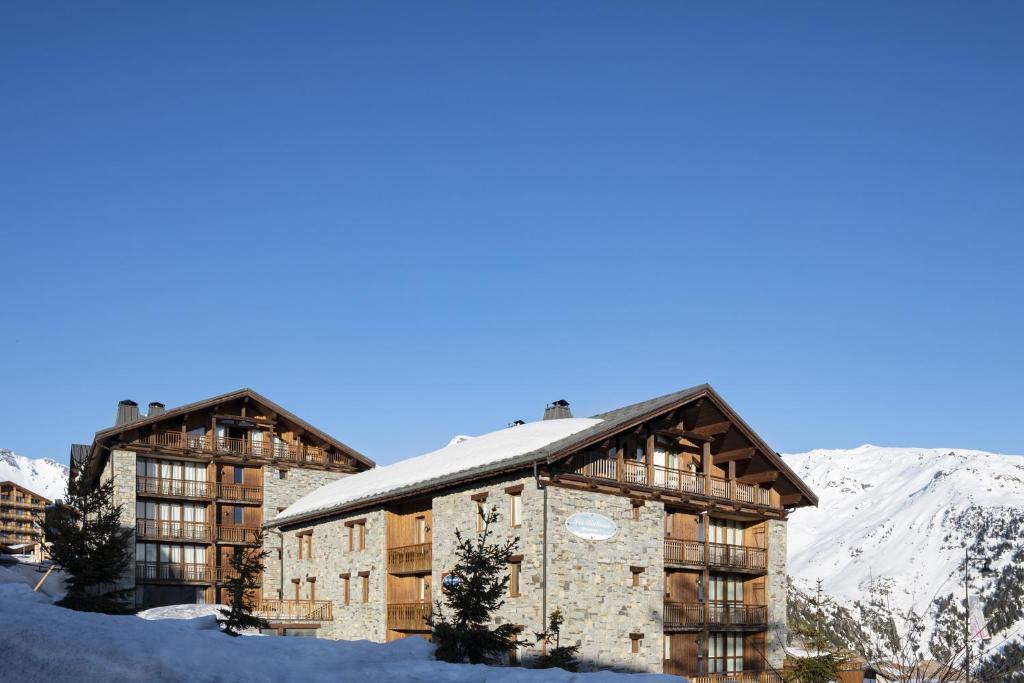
(461, 628)
(559, 656)
(90, 545)
(247, 567)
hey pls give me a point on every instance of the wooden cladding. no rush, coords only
(408, 616)
(410, 559)
(266, 449)
(655, 476)
(173, 530)
(274, 610)
(714, 614)
(718, 555)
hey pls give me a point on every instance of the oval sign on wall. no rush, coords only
(591, 526)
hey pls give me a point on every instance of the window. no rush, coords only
(481, 516)
(311, 580)
(515, 507)
(637, 504)
(725, 653)
(421, 588)
(300, 545)
(365, 576)
(282, 474)
(636, 640)
(515, 567)
(726, 531)
(345, 588)
(298, 588)
(309, 545)
(421, 529)
(356, 534)
(238, 475)
(636, 572)
(237, 515)
(668, 648)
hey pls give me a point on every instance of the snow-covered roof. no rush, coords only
(462, 455)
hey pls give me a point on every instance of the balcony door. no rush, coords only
(729, 531)
(725, 653)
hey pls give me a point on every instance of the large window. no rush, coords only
(726, 531)
(515, 509)
(725, 653)
(725, 588)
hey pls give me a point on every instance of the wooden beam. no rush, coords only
(713, 429)
(790, 498)
(683, 434)
(734, 454)
(759, 477)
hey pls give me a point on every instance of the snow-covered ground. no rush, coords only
(903, 515)
(183, 643)
(39, 475)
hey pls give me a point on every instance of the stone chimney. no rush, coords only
(127, 411)
(156, 408)
(557, 410)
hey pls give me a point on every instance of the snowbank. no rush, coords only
(57, 645)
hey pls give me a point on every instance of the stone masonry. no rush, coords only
(120, 468)
(590, 581)
(776, 594)
(332, 558)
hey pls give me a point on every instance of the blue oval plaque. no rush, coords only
(591, 526)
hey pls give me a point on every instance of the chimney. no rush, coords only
(557, 410)
(517, 423)
(156, 408)
(127, 411)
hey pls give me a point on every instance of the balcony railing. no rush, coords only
(638, 474)
(247, 448)
(174, 488)
(160, 571)
(275, 610)
(181, 531)
(715, 614)
(737, 677)
(718, 554)
(226, 573)
(236, 534)
(242, 492)
(408, 616)
(410, 559)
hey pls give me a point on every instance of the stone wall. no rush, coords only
(590, 581)
(775, 590)
(331, 558)
(120, 468)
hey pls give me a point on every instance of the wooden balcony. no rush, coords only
(174, 488)
(408, 616)
(715, 614)
(226, 573)
(297, 454)
(239, 492)
(737, 677)
(724, 555)
(236, 534)
(161, 572)
(410, 559)
(638, 474)
(287, 611)
(171, 530)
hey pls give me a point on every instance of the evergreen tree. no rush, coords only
(462, 631)
(558, 657)
(92, 548)
(247, 566)
(823, 661)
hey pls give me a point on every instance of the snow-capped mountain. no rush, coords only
(40, 475)
(903, 516)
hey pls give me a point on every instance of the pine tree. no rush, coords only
(247, 567)
(481, 582)
(558, 657)
(89, 544)
(823, 662)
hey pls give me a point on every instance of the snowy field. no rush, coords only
(183, 643)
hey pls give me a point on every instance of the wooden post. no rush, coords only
(45, 576)
(706, 465)
(650, 459)
(620, 470)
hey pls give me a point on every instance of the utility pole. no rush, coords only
(967, 613)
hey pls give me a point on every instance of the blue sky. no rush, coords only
(407, 221)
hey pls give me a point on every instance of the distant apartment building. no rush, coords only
(196, 482)
(658, 529)
(21, 516)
